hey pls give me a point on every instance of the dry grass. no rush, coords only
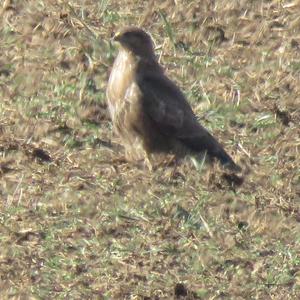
(77, 223)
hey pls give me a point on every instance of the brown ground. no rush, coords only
(78, 223)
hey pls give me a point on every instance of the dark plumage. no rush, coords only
(149, 112)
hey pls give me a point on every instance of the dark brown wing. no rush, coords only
(167, 107)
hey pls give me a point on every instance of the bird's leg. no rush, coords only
(175, 162)
(148, 161)
(149, 164)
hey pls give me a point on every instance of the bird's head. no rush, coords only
(135, 40)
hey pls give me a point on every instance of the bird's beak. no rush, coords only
(117, 37)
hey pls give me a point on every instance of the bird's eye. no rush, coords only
(132, 35)
(127, 34)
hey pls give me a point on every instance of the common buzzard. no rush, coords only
(149, 112)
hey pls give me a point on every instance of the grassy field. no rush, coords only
(77, 222)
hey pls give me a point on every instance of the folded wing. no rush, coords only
(167, 107)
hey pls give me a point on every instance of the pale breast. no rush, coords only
(120, 79)
(123, 95)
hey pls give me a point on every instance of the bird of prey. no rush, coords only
(149, 112)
